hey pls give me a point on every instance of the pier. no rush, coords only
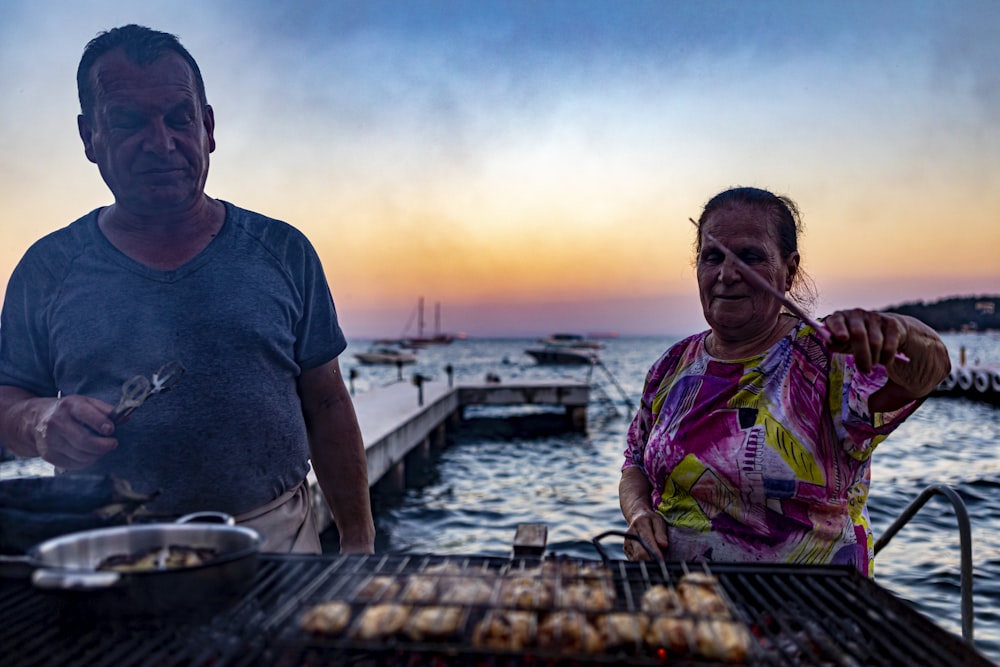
(403, 423)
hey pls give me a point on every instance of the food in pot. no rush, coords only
(329, 618)
(158, 558)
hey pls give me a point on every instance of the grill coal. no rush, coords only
(816, 615)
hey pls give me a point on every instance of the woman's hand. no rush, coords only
(651, 527)
(633, 495)
(875, 338)
(871, 337)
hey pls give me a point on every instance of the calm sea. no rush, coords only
(477, 491)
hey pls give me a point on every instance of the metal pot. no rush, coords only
(67, 566)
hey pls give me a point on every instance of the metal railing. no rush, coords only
(965, 540)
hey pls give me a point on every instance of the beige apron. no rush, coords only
(287, 524)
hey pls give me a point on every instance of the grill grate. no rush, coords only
(813, 615)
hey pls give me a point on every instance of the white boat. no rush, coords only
(571, 340)
(386, 355)
(551, 355)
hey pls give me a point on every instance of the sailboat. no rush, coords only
(420, 340)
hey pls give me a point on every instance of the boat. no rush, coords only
(572, 341)
(386, 355)
(420, 340)
(562, 355)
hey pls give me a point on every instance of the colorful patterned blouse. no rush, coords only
(765, 459)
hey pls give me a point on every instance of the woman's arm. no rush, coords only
(875, 338)
(644, 521)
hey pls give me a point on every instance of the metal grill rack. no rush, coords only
(817, 615)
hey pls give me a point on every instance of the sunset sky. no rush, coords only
(532, 165)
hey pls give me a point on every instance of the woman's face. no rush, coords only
(734, 308)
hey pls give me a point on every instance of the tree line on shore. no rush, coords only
(960, 313)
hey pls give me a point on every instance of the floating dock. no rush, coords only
(403, 423)
(978, 382)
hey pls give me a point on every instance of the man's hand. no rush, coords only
(73, 432)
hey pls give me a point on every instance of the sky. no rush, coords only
(531, 166)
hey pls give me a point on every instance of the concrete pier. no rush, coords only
(402, 423)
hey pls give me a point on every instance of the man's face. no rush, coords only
(148, 133)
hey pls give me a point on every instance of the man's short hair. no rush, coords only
(142, 46)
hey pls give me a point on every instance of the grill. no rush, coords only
(815, 615)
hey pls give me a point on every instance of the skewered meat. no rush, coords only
(670, 632)
(468, 591)
(588, 597)
(381, 621)
(622, 629)
(660, 599)
(445, 569)
(700, 595)
(435, 622)
(525, 592)
(722, 640)
(569, 632)
(329, 618)
(513, 630)
(421, 589)
(378, 588)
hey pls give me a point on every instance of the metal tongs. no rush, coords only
(136, 390)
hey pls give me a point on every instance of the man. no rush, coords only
(167, 273)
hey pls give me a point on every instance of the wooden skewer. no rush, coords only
(755, 279)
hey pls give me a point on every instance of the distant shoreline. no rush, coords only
(966, 314)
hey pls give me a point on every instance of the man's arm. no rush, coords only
(338, 455)
(70, 432)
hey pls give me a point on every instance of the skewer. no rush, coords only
(754, 278)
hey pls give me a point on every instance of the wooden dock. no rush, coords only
(404, 422)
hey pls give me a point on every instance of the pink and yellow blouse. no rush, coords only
(766, 459)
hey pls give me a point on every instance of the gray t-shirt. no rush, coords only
(244, 317)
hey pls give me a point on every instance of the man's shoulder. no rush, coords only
(61, 245)
(263, 228)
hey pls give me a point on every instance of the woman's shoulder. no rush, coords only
(684, 349)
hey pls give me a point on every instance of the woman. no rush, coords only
(753, 440)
